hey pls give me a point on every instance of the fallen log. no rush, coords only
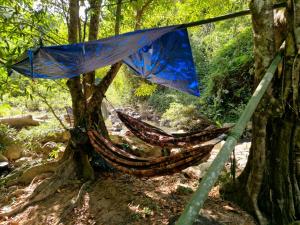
(19, 121)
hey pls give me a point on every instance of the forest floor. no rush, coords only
(119, 199)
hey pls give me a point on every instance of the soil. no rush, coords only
(119, 199)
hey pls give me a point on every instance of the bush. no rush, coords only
(181, 116)
(228, 87)
(34, 137)
(120, 91)
(7, 136)
(5, 109)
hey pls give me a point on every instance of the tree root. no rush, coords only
(48, 186)
(26, 176)
(74, 202)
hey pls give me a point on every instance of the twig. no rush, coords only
(52, 110)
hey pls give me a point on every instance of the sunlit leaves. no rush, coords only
(145, 89)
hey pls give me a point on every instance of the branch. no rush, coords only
(89, 78)
(147, 3)
(44, 99)
(114, 69)
(139, 15)
(118, 17)
(85, 22)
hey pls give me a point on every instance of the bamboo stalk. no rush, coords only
(192, 209)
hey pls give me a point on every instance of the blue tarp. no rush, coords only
(160, 55)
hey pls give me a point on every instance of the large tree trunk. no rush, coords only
(86, 96)
(269, 185)
(75, 146)
(96, 93)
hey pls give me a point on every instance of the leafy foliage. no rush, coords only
(145, 89)
(7, 136)
(228, 86)
(222, 54)
(180, 116)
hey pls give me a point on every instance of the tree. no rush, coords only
(86, 103)
(269, 185)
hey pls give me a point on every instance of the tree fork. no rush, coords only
(89, 78)
(84, 168)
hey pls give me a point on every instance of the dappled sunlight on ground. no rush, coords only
(116, 199)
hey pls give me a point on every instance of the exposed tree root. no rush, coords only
(74, 202)
(26, 175)
(48, 186)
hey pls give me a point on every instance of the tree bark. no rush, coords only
(86, 96)
(269, 185)
(84, 169)
(139, 14)
(94, 102)
(89, 78)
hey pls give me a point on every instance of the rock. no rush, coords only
(197, 172)
(210, 127)
(3, 166)
(13, 152)
(19, 121)
(219, 145)
(180, 131)
(175, 151)
(49, 146)
(117, 126)
(138, 117)
(3, 158)
(228, 124)
(113, 118)
(144, 115)
(22, 161)
(125, 132)
(164, 123)
(184, 190)
(60, 152)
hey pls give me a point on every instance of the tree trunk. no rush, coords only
(89, 78)
(96, 94)
(86, 96)
(269, 185)
(80, 156)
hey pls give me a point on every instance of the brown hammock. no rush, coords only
(141, 166)
(158, 137)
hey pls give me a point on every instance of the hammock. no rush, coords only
(141, 166)
(158, 137)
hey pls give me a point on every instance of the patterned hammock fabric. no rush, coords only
(148, 167)
(157, 137)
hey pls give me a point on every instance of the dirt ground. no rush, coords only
(119, 199)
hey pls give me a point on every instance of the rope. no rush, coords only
(225, 17)
(109, 103)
